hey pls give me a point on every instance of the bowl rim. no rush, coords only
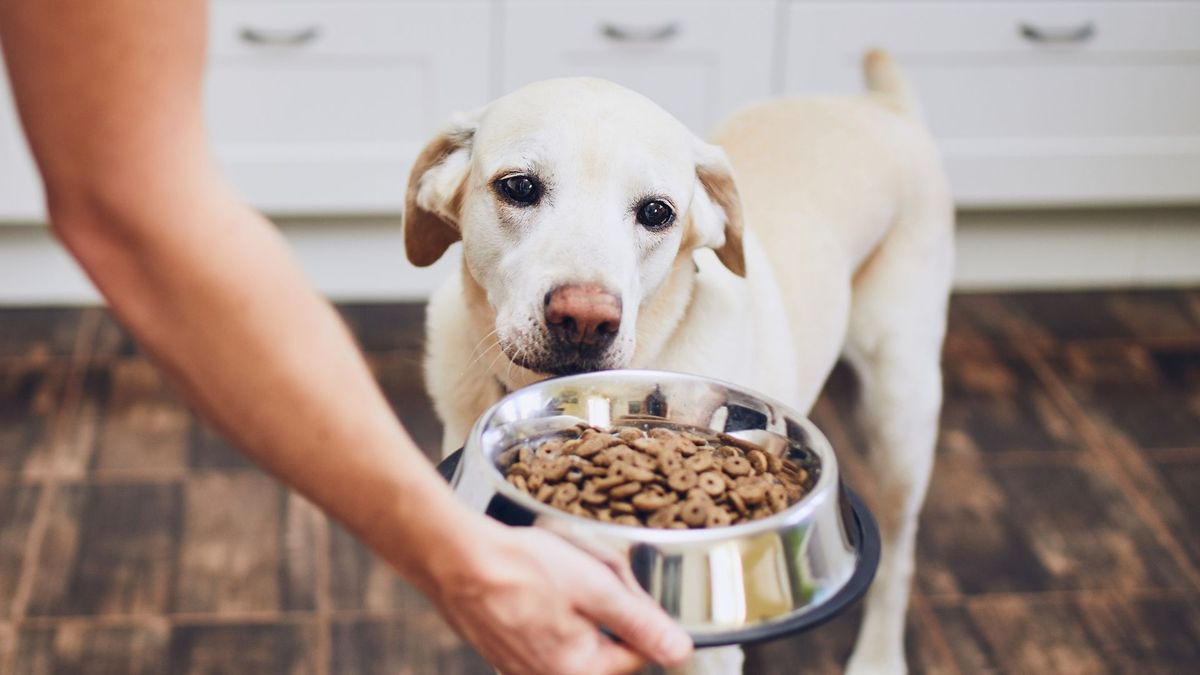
(824, 492)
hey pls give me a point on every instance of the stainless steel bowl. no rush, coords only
(726, 585)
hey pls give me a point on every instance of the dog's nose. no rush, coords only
(583, 314)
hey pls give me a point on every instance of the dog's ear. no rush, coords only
(433, 202)
(717, 207)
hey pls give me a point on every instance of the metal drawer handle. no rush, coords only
(279, 38)
(1071, 35)
(630, 34)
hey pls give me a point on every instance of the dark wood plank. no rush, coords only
(400, 378)
(413, 644)
(1072, 315)
(996, 528)
(384, 327)
(30, 399)
(80, 648)
(109, 549)
(278, 649)
(111, 340)
(994, 402)
(1092, 634)
(17, 506)
(1141, 396)
(247, 545)
(208, 449)
(826, 649)
(1179, 504)
(361, 581)
(992, 321)
(1156, 315)
(141, 422)
(38, 332)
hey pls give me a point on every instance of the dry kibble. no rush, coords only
(661, 433)
(700, 462)
(534, 482)
(682, 480)
(663, 517)
(669, 463)
(718, 517)
(712, 483)
(621, 507)
(695, 512)
(630, 434)
(519, 483)
(564, 495)
(758, 460)
(738, 503)
(662, 478)
(627, 490)
(751, 493)
(736, 466)
(650, 501)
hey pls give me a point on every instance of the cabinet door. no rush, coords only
(322, 107)
(1053, 103)
(699, 60)
(20, 186)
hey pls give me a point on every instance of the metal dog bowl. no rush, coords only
(737, 584)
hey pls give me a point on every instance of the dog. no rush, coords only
(598, 232)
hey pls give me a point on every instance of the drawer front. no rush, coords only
(699, 60)
(1021, 93)
(322, 107)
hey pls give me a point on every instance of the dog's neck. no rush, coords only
(659, 316)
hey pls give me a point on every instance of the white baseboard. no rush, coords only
(1092, 248)
(363, 258)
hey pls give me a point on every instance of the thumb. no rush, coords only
(636, 619)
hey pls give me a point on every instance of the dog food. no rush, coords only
(662, 477)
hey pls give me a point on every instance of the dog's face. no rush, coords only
(573, 200)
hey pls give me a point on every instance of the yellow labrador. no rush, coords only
(598, 232)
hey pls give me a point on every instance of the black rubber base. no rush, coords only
(864, 532)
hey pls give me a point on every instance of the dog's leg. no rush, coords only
(715, 661)
(894, 344)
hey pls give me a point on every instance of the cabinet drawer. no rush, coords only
(323, 106)
(1032, 102)
(699, 60)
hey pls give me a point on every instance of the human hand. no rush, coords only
(531, 602)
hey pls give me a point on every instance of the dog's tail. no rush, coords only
(888, 84)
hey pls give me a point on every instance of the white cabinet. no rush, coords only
(20, 188)
(1032, 102)
(699, 60)
(321, 107)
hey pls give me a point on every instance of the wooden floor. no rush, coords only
(1061, 535)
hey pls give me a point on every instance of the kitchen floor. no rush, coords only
(1061, 533)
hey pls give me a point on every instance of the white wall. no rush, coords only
(363, 258)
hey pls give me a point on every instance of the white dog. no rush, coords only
(598, 232)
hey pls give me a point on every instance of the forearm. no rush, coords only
(109, 93)
(263, 357)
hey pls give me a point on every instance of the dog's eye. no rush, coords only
(520, 188)
(655, 214)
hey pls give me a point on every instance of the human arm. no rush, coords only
(109, 94)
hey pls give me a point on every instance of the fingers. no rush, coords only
(637, 620)
(616, 659)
